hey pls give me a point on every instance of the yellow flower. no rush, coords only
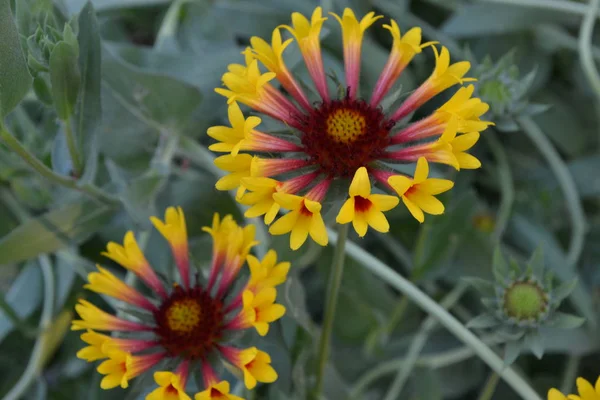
(404, 48)
(418, 193)
(171, 387)
(445, 75)
(238, 168)
(260, 309)
(460, 144)
(217, 391)
(260, 198)
(364, 209)
(173, 229)
(353, 32)
(271, 55)
(239, 136)
(106, 283)
(115, 369)
(303, 219)
(585, 389)
(129, 255)
(468, 110)
(256, 366)
(266, 273)
(245, 83)
(94, 351)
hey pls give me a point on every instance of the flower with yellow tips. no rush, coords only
(584, 388)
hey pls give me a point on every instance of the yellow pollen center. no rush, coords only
(184, 315)
(345, 125)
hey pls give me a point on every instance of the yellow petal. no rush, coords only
(360, 224)
(400, 183)
(346, 213)
(465, 142)
(414, 209)
(378, 221)
(468, 161)
(435, 186)
(427, 203)
(289, 201)
(421, 171)
(586, 390)
(384, 202)
(284, 224)
(361, 185)
(318, 231)
(554, 394)
(299, 231)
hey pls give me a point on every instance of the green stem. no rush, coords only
(585, 46)
(419, 342)
(431, 361)
(33, 366)
(486, 354)
(73, 148)
(506, 184)
(490, 387)
(333, 291)
(570, 373)
(566, 183)
(93, 191)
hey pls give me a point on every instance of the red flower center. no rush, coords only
(189, 323)
(344, 135)
(361, 204)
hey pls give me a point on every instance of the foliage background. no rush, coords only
(144, 101)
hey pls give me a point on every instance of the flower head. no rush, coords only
(328, 141)
(585, 390)
(418, 193)
(192, 324)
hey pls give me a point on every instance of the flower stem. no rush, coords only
(333, 291)
(383, 271)
(73, 148)
(585, 46)
(567, 186)
(490, 387)
(93, 191)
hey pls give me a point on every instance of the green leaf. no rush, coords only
(24, 296)
(57, 229)
(565, 321)
(483, 286)
(483, 321)
(536, 263)
(499, 266)
(15, 80)
(88, 111)
(167, 102)
(65, 78)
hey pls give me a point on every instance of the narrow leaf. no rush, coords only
(65, 78)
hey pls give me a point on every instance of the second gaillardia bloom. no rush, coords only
(187, 324)
(350, 140)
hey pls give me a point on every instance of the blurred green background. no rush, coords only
(147, 70)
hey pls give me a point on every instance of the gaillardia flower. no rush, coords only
(585, 389)
(185, 324)
(349, 140)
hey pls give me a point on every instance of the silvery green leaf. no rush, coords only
(507, 125)
(536, 263)
(499, 266)
(565, 321)
(534, 109)
(536, 343)
(483, 321)
(563, 291)
(512, 350)
(484, 286)
(490, 302)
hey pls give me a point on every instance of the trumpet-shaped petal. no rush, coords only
(260, 198)
(256, 366)
(364, 209)
(217, 391)
(353, 31)
(260, 310)
(238, 168)
(94, 318)
(106, 283)
(303, 219)
(171, 387)
(266, 273)
(418, 193)
(173, 229)
(130, 256)
(115, 369)
(307, 35)
(404, 48)
(272, 57)
(443, 76)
